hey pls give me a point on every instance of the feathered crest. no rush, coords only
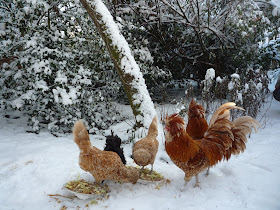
(175, 124)
(196, 110)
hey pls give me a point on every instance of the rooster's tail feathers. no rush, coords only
(242, 127)
(218, 140)
(223, 112)
(245, 123)
(231, 137)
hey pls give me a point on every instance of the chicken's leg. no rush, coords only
(207, 172)
(187, 179)
(196, 181)
(152, 169)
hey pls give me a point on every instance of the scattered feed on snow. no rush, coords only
(147, 175)
(84, 190)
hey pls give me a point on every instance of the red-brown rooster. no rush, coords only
(222, 139)
(197, 124)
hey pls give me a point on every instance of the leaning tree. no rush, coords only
(128, 70)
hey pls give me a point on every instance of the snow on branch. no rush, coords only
(127, 68)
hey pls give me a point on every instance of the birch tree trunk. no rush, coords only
(129, 72)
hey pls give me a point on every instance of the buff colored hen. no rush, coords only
(145, 150)
(103, 165)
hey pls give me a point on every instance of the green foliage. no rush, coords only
(60, 74)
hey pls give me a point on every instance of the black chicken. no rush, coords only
(113, 143)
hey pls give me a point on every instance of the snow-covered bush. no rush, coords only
(271, 53)
(248, 90)
(255, 91)
(208, 87)
(270, 46)
(234, 87)
(62, 71)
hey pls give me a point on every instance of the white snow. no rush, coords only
(19, 101)
(246, 87)
(2, 26)
(61, 95)
(61, 78)
(236, 76)
(41, 85)
(31, 43)
(259, 86)
(276, 10)
(240, 98)
(219, 79)
(210, 74)
(36, 166)
(230, 85)
(273, 75)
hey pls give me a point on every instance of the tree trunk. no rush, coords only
(129, 72)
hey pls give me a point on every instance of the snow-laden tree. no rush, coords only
(215, 34)
(128, 70)
(188, 37)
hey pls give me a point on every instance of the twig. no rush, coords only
(264, 115)
(58, 195)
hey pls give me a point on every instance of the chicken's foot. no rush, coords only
(187, 179)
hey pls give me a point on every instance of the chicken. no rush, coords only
(113, 143)
(103, 165)
(145, 150)
(222, 139)
(197, 124)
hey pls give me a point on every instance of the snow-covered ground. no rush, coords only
(33, 167)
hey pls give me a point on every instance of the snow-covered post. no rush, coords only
(128, 70)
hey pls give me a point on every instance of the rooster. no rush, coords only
(145, 150)
(222, 139)
(197, 124)
(103, 165)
